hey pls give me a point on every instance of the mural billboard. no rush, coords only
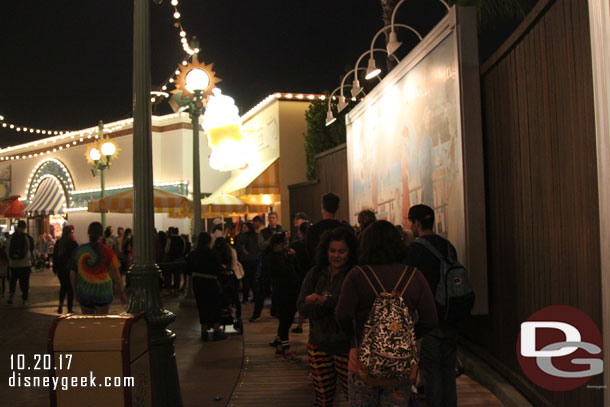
(417, 138)
(405, 147)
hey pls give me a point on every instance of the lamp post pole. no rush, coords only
(102, 195)
(102, 168)
(195, 111)
(101, 162)
(144, 273)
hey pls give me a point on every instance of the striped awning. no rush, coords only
(256, 179)
(224, 204)
(122, 202)
(48, 200)
(11, 207)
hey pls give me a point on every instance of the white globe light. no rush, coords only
(197, 79)
(94, 153)
(108, 148)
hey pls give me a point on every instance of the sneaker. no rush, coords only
(238, 325)
(297, 330)
(219, 336)
(290, 356)
(274, 343)
(254, 319)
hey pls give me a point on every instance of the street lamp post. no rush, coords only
(101, 155)
(145, 274)
(195, 108)
(194, 83)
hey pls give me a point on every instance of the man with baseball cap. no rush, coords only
(439, 346)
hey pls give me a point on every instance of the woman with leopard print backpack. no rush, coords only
(381, 254)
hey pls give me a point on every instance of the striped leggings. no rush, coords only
(325, 368)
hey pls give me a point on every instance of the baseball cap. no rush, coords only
(421, 213)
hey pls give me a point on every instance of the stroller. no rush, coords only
(229, 300)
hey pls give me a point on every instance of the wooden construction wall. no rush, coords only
(541, 184)
(332, 177)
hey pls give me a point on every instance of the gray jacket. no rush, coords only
(324, 331)
(27, 260)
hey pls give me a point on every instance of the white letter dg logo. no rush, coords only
(559, 348)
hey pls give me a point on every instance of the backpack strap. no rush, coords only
(430, 248)
(405, 279)
(372, 279)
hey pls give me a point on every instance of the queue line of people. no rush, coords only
(337, 298)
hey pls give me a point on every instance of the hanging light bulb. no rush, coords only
(356, 88)
(372, 70)
(342, 103)
(330, 119)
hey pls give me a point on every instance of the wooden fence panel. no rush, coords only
(541, 183)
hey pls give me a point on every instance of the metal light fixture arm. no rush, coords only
(402, 1)
(371, 63)
(391, 27)
(356, 89)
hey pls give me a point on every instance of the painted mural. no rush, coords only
(405, 147)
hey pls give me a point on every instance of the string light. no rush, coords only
(286, 96)
(72, 139)
(28, 129)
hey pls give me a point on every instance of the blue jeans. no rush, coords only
(437, 365)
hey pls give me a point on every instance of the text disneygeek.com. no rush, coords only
(21, 365)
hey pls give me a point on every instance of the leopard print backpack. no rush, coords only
(388, 356)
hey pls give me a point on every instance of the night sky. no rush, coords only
(65, 65)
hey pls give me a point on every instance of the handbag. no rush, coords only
(238, 269)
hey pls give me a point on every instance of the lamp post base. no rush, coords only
(146, 297)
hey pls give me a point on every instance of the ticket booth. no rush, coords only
(100, 361)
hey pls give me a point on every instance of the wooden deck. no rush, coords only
(270, 381)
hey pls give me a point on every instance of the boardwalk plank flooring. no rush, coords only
(269, 381)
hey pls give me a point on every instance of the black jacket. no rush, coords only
(284, 280)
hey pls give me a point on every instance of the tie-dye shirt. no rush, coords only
(93, 263)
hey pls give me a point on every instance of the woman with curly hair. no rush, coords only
(381, 252)
(328, 345)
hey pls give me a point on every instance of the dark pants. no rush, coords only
(65, 288)
(286, 317)
(260, 293)
(249, 279)
(438, 353)
(172, 270)
(207, 296)
(237, 302)
(23, 275)
(176, 273)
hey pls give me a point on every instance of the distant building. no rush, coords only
(54, 181)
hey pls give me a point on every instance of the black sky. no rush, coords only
(66, 65)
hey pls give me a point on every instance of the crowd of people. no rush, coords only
(318, 274)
